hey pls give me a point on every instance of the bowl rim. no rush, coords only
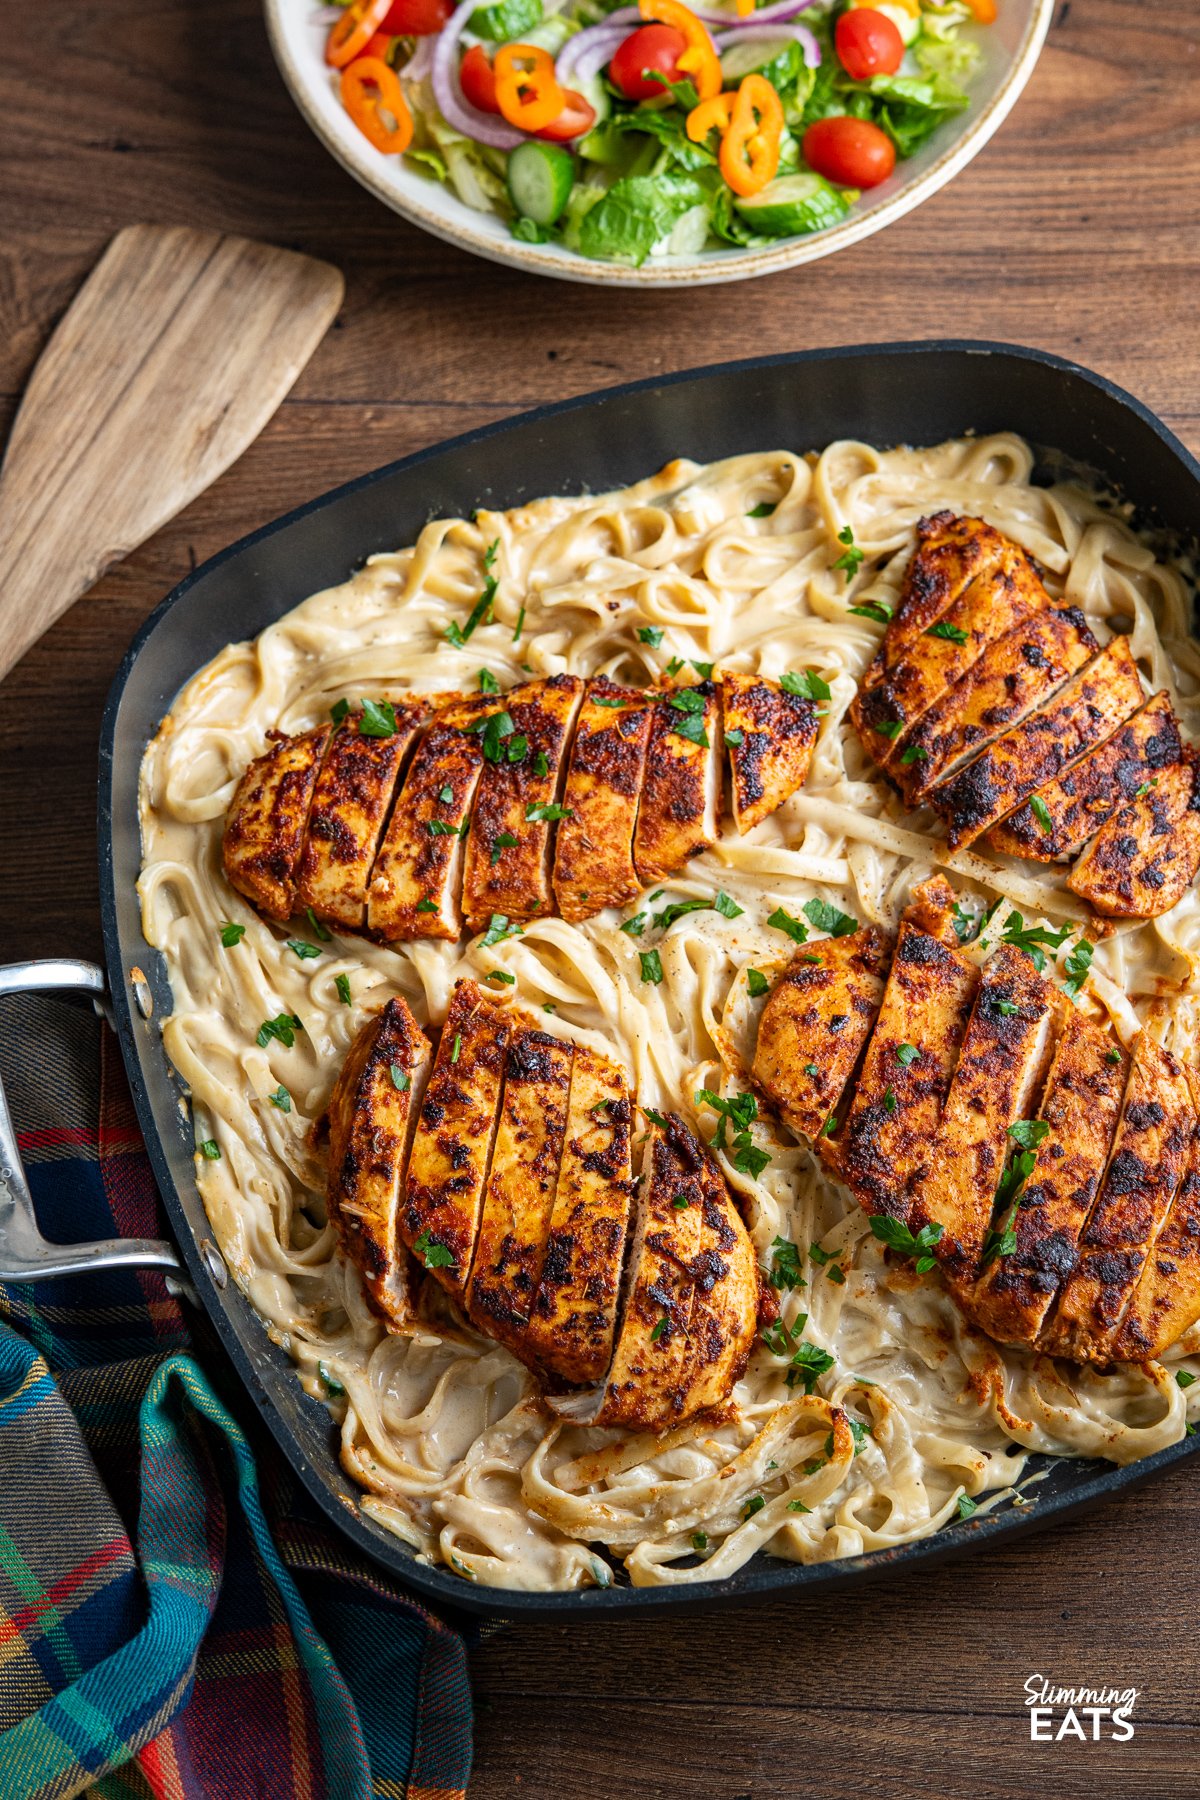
(735, 265)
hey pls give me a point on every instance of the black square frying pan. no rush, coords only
(909, 393)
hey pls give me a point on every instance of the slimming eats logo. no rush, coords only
(1056, 1713)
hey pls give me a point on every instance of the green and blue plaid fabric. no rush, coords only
(175, 1620)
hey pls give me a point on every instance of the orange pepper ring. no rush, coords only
(529, 98)
(353, 31)
(749, 155)
(698, 59)
(358, 77)
(711, 115)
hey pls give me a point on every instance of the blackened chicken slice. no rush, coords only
(726, 1299)
(998, 1076)
(510, 1247)
(1092, 705)
(1144, 859)
(349, 806)
(1166, 1300)
(680, 811)
(372, 1112)
(1004, 594)
(415, 883)
(770, 736)
(264, 829)
(1013, 676)
(1055, 823)
(815, 1023)
(885, 1141)
(516, 803)
(570, 1332)
(452, 1145)
(1150, 1153)
(1083, 1097)
(593, 852)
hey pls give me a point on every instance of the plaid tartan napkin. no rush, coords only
(239, 1652)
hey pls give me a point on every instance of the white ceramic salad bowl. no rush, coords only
(1010, 48)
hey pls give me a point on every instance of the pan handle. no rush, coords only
(24, 1253)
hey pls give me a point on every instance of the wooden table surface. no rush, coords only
(1077, 230)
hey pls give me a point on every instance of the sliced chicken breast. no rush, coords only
(650, 1377)
(814, 1026)
(1143, 861)
(1150, 1151)
(934, 908)
(1166, 1300)
(997, 1081)
(593, 852)
(1001, 597)
(770, 735)
(726, 1299)
(350, 801)
(680, 812)
(1093, 788)
(574, 1316)
(1092, 705)
(415, 883)
(452, 1146)
(510, 1247)
(372, 1112)
(889, 1131)
(1083, 1098)
(508, 848)
(1018, 673)
(264, 830)
(951, 552)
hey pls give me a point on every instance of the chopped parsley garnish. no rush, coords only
(660, 1329)
(231, 935)
(798, 1506)
(784, 1271)
(338, 711)
(753, 1505)
(914, 754)
(812, 1069)
(635, 926)
(1028, 1133)
(1078, 965)
(690, 703)
(727, 907)
(807, 685)
(950, 633)
(890, 728)
(851, 558)
(699, 1540)
(783, 921)
(1034, 940)
(504, 840)
(378, 719)
(1184, 1378)
(443, 828)
(493, 730)
(897, 1236)
(283, 1026)
(480, 613)
(540, 764)
(734, 739)
(603, 700)
(504, 976)
(655, 1118)
(890, 1102)
(549, 1006)
(210, 1150)
(1041, 813)
(281, 1098)
(330, 1382)
(498, 929)
(722, 903)
(827, 917)
(687, 700)
(966, 923)
(829, 1127)
(703, 669)
(1141, 792)
(434, 1256)
(519, 627)
(1112, 1056)
(681, 1203)
(319, 930)
(763, 510)
(651, 634)
(547, 811)
(906, 1055)
(966, 1506)
(878, 610)
(808, 1362)
(757, 984)
(1007, 1008)
(304, 951)
(401, 1080)
(342, 984)
(426, 906)
(446, 794)
(674, 666)
(836, 1274)
(818, 1255)
(487, 682)
(456, 1047)
(1002, 1239)
(652, 969)
(740, 1112)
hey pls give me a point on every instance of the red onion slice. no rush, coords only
(484, 128)
(589, 51)
(759, 32)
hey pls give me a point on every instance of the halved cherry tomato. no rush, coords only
(353, 30)
(574, 121)
(868, 44)
(651, 47)
(372, 95)
(527, 92)
(477, 80)
(852, 152)
(416, 18)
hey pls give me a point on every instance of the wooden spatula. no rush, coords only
(173, 356)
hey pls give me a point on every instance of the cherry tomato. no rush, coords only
(574, 121)
(378, 46)
(868, 44)
(656, 47)
(416, 18)
(478, 81)
(852, 152)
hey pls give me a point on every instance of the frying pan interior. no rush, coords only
(916, 394)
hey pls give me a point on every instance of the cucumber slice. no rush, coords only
(794, 204)
(540, 178)
(749, 58)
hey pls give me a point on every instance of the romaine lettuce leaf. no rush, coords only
(635, 214)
